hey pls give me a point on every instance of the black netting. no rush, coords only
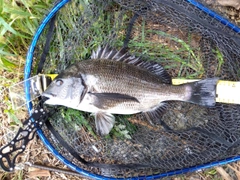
(188, 43)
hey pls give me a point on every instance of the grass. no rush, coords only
(20, 18)
(184, 56)
(98, 29)
(78, 120)
(18, 22)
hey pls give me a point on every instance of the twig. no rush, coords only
(53, 169)
(223, 173)
(235, 168)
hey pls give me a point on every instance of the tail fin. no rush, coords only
(203, 92)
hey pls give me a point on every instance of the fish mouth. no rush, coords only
(48, 95)
(48, 98)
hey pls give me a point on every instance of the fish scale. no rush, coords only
(128, 79)
(128, 75)
(123, 84)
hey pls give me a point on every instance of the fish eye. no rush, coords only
(59, 82)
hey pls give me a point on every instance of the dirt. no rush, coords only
(37, 153)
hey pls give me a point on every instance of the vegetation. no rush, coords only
(19, 20)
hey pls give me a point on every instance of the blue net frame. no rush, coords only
(27, 73)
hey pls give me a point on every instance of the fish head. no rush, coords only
(65, 91)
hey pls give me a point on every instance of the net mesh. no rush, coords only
(188, 43)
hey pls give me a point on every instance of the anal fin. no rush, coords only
(154, 116)
(104, 122)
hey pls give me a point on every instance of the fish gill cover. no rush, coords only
(187, 42)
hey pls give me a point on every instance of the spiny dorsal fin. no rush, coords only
(122, 55)
(107, 52)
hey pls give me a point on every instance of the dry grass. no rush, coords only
(36, 152)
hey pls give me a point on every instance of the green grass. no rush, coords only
(18, 23)
(77, 120)
(20, 19)
(123, 128)
(220, 60)
(184, 57)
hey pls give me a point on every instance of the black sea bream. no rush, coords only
(114, 82)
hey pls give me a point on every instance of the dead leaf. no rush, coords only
(35, 172)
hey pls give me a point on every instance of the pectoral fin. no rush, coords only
(104, 122)
(108, 100)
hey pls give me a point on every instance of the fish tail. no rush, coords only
(203, 92)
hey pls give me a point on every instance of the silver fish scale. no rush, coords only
(122, 78)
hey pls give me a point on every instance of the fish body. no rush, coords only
(114, 82)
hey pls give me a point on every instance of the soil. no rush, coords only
(37, 153)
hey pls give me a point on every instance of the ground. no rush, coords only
(37, 153)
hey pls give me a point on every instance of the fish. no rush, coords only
(115, 82)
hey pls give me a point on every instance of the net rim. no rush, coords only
(27, 73)
(215, 15)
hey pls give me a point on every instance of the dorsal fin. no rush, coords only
(122, 55)
(107, 52)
